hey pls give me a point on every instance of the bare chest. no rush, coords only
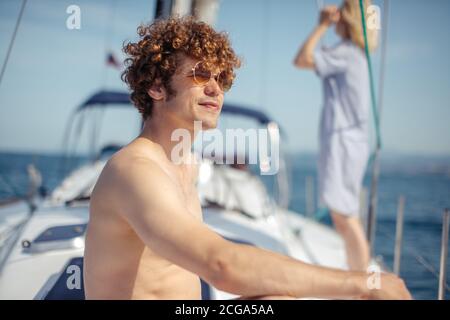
(187, 193)
(190, 198)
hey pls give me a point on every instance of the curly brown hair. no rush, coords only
(154, 56)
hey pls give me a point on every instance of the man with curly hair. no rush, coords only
(146, 238)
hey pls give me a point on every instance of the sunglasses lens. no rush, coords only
(201, 75)
(224, 81)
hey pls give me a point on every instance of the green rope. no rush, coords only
(372, 84)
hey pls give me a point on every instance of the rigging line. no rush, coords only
(419, 258)
(372, 83)
(11, 43)
(375, 157)
(384, 43)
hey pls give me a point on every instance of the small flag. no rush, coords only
(112, 61)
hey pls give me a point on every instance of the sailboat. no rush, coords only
(41, 253)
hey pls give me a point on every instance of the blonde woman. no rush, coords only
(344, 124)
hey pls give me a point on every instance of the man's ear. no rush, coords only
(157, 91)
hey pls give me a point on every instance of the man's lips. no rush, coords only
(210, 105)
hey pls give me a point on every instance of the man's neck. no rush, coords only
(159, 131)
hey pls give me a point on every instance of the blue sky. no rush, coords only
(53, 69)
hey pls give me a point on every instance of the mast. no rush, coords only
(205, 10)
(167, 8)
(163, 8)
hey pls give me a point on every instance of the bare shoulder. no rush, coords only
(128, 173)
(133, 170)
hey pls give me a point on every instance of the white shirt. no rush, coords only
(343, 69)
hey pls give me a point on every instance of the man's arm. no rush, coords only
(305, 56)
(150, 202)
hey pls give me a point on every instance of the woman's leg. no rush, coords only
(356, 245)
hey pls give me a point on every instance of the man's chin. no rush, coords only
(208, 125)
(208, 122)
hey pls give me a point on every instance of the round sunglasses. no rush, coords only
(202, 76)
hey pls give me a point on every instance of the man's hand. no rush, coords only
(329, 15)
(391, 288)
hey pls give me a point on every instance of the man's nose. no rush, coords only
(212, 88)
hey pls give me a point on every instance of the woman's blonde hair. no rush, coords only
(351, 17)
